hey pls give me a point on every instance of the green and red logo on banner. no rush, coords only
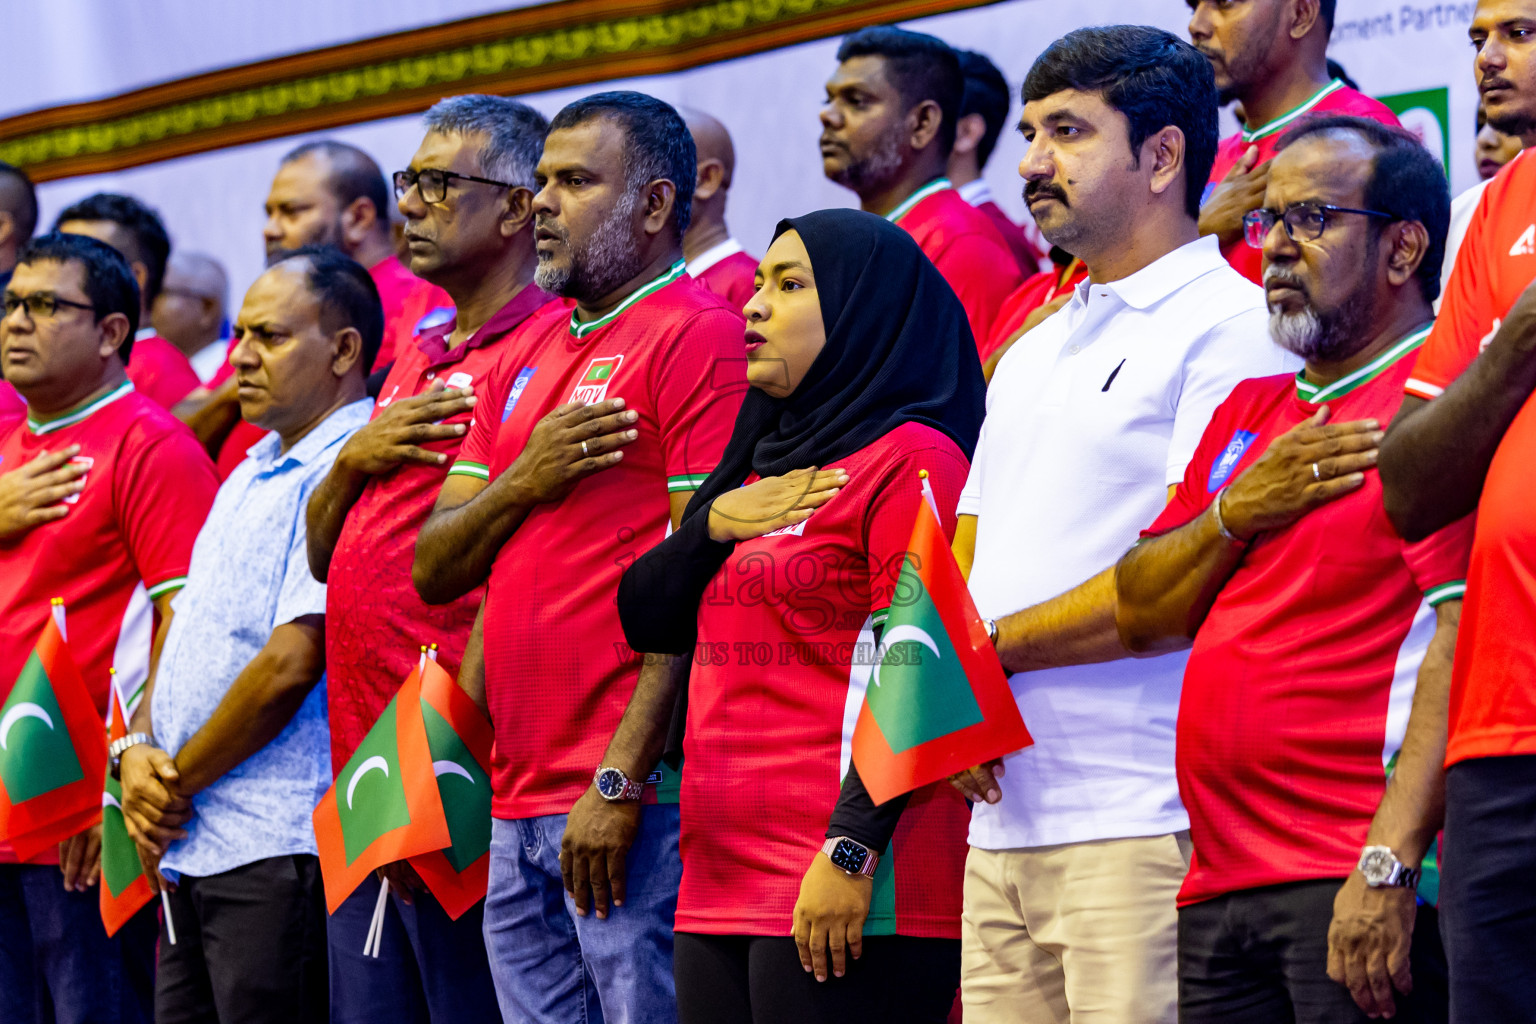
(125, 888)
(938, 701)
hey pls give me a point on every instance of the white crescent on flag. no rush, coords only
(108, 800)
(441, 768)
(24, 709)
(363, 769)
(901, 634)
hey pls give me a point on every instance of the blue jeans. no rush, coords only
(553, 967)
(57, 965)
(429, 968)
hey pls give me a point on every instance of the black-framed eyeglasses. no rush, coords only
(433, 183)
(1304, 222)
(41, 304)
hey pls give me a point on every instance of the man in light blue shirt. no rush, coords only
(232, 750)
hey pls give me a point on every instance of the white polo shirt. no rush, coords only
(1090, 418)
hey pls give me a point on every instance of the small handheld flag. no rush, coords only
(938, 701)
(125, 888)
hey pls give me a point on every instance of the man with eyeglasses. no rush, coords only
(1322, 641)
(102, 493)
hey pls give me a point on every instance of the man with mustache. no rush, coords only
(1077, 851)
(642, 380)
(1270, 56)
(1315, 627)
(1464, 440)
(888, 127)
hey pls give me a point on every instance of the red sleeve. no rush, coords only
(160, 372)
(1465, 319)
(164, 493)
(1195, 492)
(888, 516)
(696, 389)
(1439, 561)
(983, 274)
(479, 447)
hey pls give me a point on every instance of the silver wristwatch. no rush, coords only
(115, 751)
(616, 787)
(991, 627)
(1382, 870)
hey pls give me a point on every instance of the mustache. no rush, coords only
(1035, 189)
(1209, 53)
(1280, 276)
(1493, 83)
(548, 223)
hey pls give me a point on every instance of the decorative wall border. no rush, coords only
(532, 49)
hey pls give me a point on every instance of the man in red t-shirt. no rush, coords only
(1272, 57)
(159, 371)
(102, 493)
(1465, 439)
(1312, 619)
(887, 130)
(715, 259)
(617, 411)
(466, 200)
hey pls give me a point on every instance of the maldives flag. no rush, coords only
(384, 805)
(937, 701)
(53, 750)
(124, 886)
(460, 738)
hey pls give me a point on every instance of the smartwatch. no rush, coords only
(851, 856)
(1382, 870)
(116, 750)
(616, 787)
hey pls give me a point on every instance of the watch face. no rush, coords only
(1376, 866)
(849, 856)
(610, 783)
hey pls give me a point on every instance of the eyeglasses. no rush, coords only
(433, 183)
(41, 304)
(1304, 222)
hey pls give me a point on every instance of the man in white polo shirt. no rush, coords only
(1079, 846)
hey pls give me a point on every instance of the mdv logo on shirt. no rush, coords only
(519, 385)
(1231, 455)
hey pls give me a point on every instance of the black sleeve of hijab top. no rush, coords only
(856, 815)
(659, 595)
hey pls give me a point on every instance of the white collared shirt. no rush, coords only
(1089, 420)
(714, 254)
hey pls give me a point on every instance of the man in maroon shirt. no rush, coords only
(715, 259)
(467, 200)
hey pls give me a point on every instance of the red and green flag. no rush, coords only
(384, 805)
(125, 887)
(53, 750)
(938, 701)
(460, 738)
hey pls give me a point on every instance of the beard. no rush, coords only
(1513, 122)
(603, 261)
(875, 169)
(1315, 335)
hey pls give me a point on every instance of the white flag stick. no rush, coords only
(933, 502)
(170, 922)
(376, 926)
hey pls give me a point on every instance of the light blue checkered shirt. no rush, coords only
(249, 575)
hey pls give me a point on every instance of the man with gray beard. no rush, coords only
(1316, 628)
(642, 380)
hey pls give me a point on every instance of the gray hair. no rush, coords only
(513, 132)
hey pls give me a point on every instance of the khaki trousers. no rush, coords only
(1082, 933)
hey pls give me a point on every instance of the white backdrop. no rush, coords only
(212, 202)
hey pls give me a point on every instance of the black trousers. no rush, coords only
(250, 947)
(1260, 956)
(1488, 889)
(746, 979)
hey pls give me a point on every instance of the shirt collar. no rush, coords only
(581, 330)
(433, 342)
(1263, 130)
(1164, 275)
(1314, 395)
(709, 257)
(269, 457)
(81, 411)
(975, 192)
(932, 188)
(144, 332)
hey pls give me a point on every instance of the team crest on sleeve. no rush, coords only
(593, 386)
(519, 385)
(1231, 455)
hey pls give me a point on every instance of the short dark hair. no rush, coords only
(19, 197)
(986, 93)
(353, 174)
(1327, 9)
(513, 132)
(348, 297)
(109, 282)
(151, 245)
(1152, 77)
(1406, 181)
(657, 143)
(1336, 70)
(921, 67)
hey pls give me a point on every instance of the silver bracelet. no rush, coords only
(1221, 526)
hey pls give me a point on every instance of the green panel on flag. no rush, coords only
(919, 691)
(37, 755)
(465, 789)
(370, 799)
(120, 866)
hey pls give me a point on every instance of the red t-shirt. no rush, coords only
(1298, 688)
(1024, 254)
(1493, 696)
(731, 278)
(1035, 292)
(967, 249)
(375, 622)
(1333, 98)
(557, 672)
(776, 687)
(11, 404)
(411, 305)
(159, 370)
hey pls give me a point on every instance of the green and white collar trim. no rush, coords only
(1309, 392)
(936, 185)
(80, 412)
(581, 330)
(1285, 119)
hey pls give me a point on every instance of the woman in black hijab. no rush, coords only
(860, 359)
